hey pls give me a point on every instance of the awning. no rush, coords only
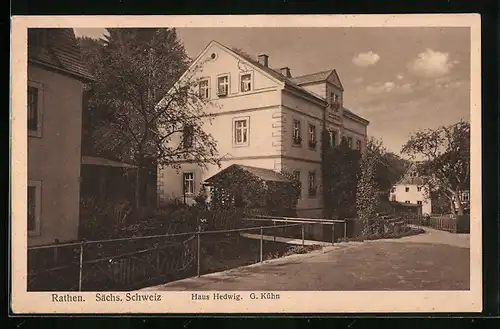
(97, 161)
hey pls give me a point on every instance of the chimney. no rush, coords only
(286, 72)
(263, 60)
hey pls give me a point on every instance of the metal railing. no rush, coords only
(123, 263)
(303, 222)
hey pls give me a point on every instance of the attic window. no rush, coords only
(246, 82)
(222, 85)
(213, 56)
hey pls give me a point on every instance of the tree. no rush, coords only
(389, 167)
(143, 106)
(340, 170)
(446, 160)
(367, 196)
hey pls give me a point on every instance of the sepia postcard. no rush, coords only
(246, 164)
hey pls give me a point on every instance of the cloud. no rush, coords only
(400, 77)
(359, 80)
(380, 88)
(432, 64)
(366, 59)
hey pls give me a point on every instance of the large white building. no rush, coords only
(266, 118)
(411, 190)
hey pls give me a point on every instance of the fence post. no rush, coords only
(333, 233)
(80, 272)
(261, 242)
(158, 257)
(303, 233)
(345, 229)
(56, 252)
(274, 231)
(198, 251)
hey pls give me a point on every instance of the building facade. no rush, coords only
(411, 190)
(56, 79)
(265, 118)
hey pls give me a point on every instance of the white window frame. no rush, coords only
(312, 135)
(247, 127)
(296, 132)
(227, 84)
(185, 188)
(206, 94)
(251, 82)
(38, 132)
(310, 187)
(38, 207)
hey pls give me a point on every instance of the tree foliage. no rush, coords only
(340, 170)
(445, 152)
(367, 196)
(389, 167)
(142, 107)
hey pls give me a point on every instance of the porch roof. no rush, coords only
(97, 161)
(267, 175)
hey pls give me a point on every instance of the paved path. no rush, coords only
(432, 261)
(435, 237)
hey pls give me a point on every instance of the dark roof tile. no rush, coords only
(62, 51)
(313, 77)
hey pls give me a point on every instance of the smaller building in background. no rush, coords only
(411, 190)
(56, 81)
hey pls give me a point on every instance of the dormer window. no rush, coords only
(223, 85)
(246, 82)
(334, 101)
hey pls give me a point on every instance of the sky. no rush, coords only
(402, 79)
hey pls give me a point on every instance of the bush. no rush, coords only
(294, 251)
(100, 219)
(406, 231)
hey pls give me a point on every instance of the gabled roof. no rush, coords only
(312, 77)
(352, 114)
(275, 74)
(60, 53)
(266, 175)
(97, 161)
(408, 180)
(317, 77)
